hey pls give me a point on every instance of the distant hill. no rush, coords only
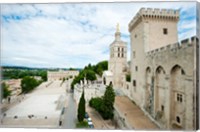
(33, 68)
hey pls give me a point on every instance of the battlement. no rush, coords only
(149, 13)
(174, 47)
(159, 12)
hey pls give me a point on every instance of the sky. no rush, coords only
(74, 35)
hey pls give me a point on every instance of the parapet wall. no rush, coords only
(161, 14)
(174, 47)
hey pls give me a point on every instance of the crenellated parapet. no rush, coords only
(174, 47)
(154, 14)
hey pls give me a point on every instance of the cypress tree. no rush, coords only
(81, 108)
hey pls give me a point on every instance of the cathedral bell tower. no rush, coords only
(118, 58)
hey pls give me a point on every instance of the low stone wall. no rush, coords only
(34, 122)
(120, 119)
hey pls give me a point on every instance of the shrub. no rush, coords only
(82, 124)
(96, 103)
(104, 105)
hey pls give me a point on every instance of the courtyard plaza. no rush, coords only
(40, 108)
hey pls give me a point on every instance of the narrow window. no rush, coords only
(133, 54)
(134, 83)
(165, 31)
(122, 49)
(118, 54)
(179, 98)
(162, 107)
(118, 49)
(136, 68)
(182, 72)
(178, 119)
(122, 55)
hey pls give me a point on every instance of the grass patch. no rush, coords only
(82, 124)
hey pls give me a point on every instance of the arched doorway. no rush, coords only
(160, 94)
(177, 96)
(149, 91)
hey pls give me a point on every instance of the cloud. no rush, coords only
(73, 35)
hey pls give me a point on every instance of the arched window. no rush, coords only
(178, 119)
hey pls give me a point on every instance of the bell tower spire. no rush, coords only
(117, 33)
(117, 28)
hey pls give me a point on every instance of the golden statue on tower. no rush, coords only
(118, 27)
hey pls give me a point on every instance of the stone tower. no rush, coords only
(150, 29)
(118, 58)
(159, 27)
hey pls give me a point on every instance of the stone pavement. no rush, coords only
(44, 104)
(70, 115)
(134, 116)
(98, 121)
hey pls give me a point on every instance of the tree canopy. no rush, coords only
(5, 90)
(104, 105)
(29, 83)
(20, 73)
(90, 72)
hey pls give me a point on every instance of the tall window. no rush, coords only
(178, 119)
(179, 98)
(122, 49)
(162, 107)
(133, 54)
(134, 83)
(122, 55)
(118, 49)
(165, 31)
(136, 68)
(118, 54)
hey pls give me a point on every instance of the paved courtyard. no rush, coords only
(133, 114)
(40, 108)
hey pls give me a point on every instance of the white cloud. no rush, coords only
(71, 35)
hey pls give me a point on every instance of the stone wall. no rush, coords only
(59, 75)
(91, 90)
(163, 72)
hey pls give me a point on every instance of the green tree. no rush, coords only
(28, 84)
(100, 67)
(90, 75)
(107, 106)
(104, 105)
(81, 108)
(96, 103)
(6, 92)
(90, 72)
(43, 75)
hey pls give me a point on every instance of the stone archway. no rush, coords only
(177, 97)
(160, 94)
(148, 91)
